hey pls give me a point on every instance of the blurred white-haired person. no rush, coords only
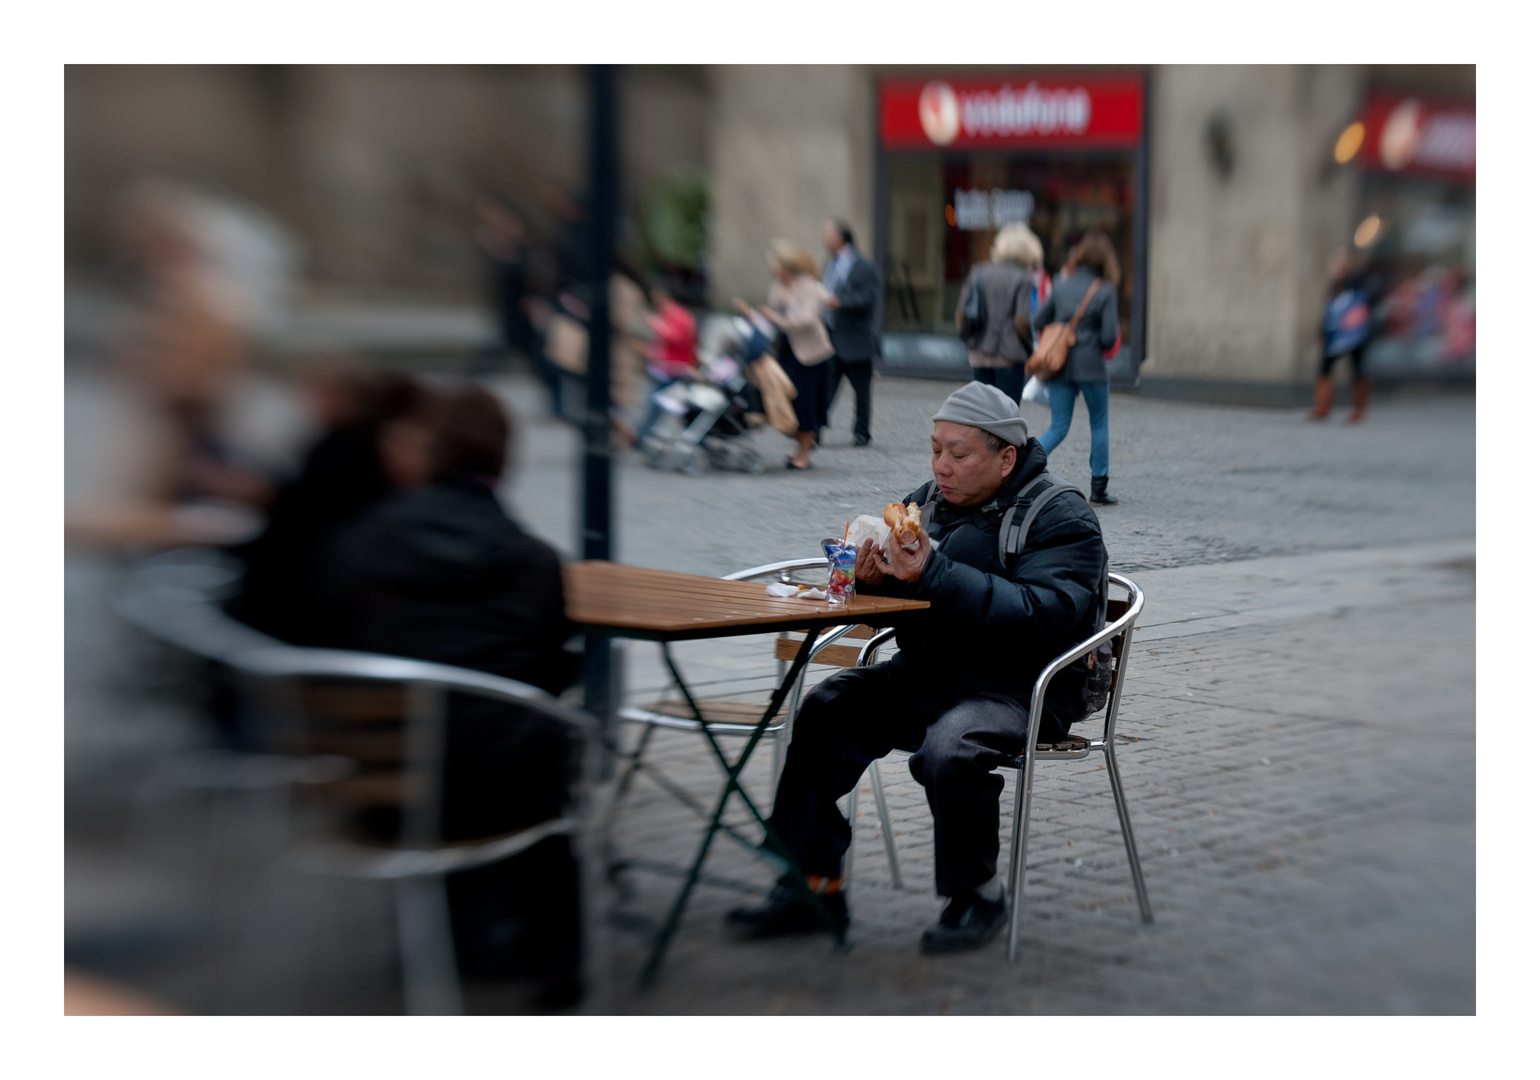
(1008, 286)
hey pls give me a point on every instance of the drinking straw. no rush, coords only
(846, 538)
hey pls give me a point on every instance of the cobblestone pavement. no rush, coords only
(1298, 749)
(1304, 850)
(1198, 483)
(1310, 632)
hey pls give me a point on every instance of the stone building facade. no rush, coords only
(1240, 199)
(1225, 191)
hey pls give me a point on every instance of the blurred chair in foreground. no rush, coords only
(310, 725)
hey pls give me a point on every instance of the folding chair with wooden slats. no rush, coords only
(728, 717)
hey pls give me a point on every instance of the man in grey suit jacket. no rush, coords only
(853, 281)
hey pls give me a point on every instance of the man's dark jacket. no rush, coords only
(993, 628)
(442, 574)
(852, 334)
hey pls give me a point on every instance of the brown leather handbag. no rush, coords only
(1054, 342)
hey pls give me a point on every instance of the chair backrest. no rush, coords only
(1118, 632)
(174, 601)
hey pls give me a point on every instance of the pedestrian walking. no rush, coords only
(1005, 289)
(1348, 326)
(796, 304)
(852, 281)
(1087, 297)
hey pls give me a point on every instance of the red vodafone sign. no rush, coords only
(1412, 135)
(1010, 113)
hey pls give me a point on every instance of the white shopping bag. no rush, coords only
(1034, 391)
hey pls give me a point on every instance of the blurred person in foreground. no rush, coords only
(958, 692)
(190, 338)
(210, 277)
(670, 354)
(1348, 327)
(796, 304)
(1008, 283)
(851, 318)
(442, 574)
(1091, 270)
(377, 435)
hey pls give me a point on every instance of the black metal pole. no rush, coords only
(603, 208)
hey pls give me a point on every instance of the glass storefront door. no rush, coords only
(944, 210)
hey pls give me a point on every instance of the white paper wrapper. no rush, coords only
(866, 528)
(804, 592)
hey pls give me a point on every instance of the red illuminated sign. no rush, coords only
(1407, 134)
(1011, 113)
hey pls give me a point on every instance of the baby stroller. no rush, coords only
(705, 421)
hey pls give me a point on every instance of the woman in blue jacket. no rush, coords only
(1092, 263)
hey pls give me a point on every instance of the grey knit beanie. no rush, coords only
(987, 407)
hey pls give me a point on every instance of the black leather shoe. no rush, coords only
(787, 911)
(967, 923)
(861, 440)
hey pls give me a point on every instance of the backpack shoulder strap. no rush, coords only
(1029, 503)
(927, 501)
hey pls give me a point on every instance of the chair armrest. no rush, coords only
(287, 661)
(877, 640)
(1122, 625)
(770, 568)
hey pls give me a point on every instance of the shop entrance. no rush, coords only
(962, 159)
(932, 245)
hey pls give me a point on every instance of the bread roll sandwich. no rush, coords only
(905, 523)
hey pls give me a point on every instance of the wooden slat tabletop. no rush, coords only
(630, 601)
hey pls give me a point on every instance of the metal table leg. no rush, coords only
(733, 769)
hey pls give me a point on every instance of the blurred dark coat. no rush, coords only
(1098, 329)
(853, 331)
(442, 574)
(282, 588)
(1007, 288)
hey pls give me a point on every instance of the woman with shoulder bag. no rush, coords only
(1085, 299)
(796, 304)
(1008, 283)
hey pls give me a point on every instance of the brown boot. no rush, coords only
(1323, 398)
(1360, 400)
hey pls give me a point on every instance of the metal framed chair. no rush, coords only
(1118, 632)
(173, 598)
(173, 607)
(416, 867)
(732, 718)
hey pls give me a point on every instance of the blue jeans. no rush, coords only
(1061, 399)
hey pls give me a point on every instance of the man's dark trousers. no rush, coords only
(859, 372)
(958, 739)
